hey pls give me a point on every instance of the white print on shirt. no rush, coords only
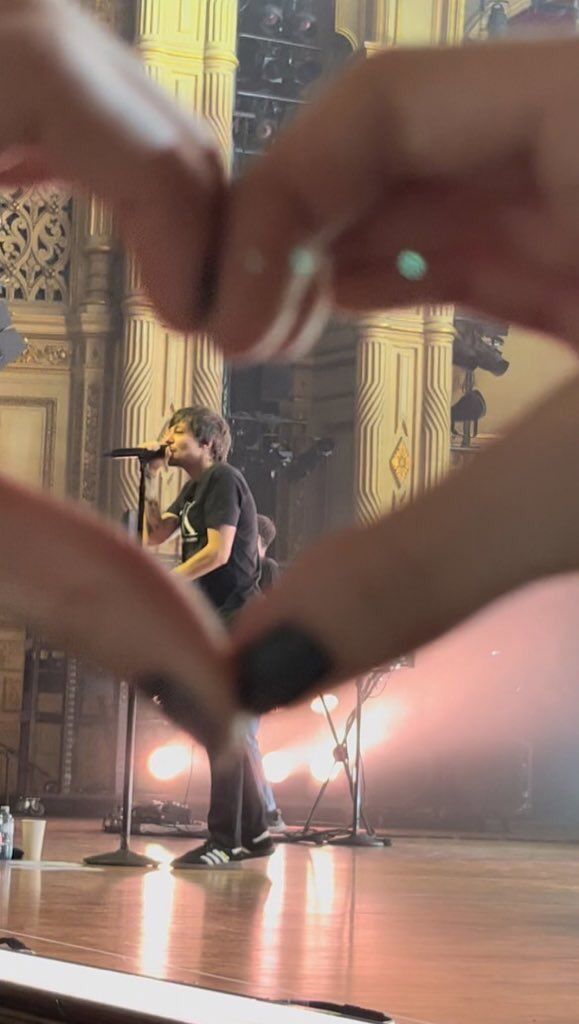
(187, 530)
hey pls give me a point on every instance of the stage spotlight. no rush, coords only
(470, 408)
(323, 765)
(264, 129)
(271, 21)
(168, 762)
(304, 26)
(274, 69)
(331, 703)
(479, 345)
(277, 766)
(498, 21)
(305, 71)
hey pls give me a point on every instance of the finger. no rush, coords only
(105, 125)
(93, 591)
(402, 119)
(500, 284)
(364, 597)
(24, 165)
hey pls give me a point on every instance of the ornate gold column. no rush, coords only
(405, 357)
(138, 353)
(388, 412)
(93, 325)
(218, 100)
(436, 399)
(170, 35)
(219, 70)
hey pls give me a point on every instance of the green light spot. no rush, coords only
(304, 262)
(411, 265)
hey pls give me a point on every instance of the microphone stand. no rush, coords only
(124, 857)
(360, 832)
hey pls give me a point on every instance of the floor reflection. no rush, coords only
(158, 901)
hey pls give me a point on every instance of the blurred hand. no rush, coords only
(153, 467)
(89, 588)
(77, 106)
(363, 597)
(469, 156)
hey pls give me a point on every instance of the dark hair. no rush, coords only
(266, 530)
(207, 427)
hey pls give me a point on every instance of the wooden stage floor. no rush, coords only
(441, 931)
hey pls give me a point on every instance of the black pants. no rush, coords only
(236, 811)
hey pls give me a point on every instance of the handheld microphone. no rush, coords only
(144, 454)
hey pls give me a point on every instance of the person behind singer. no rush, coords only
(217, 518)
(269, 572)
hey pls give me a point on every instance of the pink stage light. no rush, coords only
(322, 764)
(168, 762)
(279, 765)
(315, 755)
(331, 702)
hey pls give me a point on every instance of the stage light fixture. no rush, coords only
(323, 766)
(498, 20)
(304, 26)
(478, 345)
(271, 21)
(167, 762)
(305, 70)
(470, 408)
(274, 69)
(278, 765)
(264, 129)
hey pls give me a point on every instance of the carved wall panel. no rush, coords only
(27, 439)
(35, 243)
(34, 419)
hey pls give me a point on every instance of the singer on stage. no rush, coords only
(216, 515)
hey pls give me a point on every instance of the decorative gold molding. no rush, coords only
(350, 21)
(400, 462)
(91, 447)
(45, 356)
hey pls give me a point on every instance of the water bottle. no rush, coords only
(6, 833)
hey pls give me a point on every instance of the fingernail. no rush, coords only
(279, 668)
(306, 338)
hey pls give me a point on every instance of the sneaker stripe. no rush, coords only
(260, 839)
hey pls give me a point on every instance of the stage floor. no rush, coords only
(442, 931)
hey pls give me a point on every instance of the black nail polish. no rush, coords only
(279, 668)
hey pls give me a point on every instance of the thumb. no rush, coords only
(365, 596)
(25, 165)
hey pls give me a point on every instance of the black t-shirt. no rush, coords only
(221, 497)
(269, 572)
